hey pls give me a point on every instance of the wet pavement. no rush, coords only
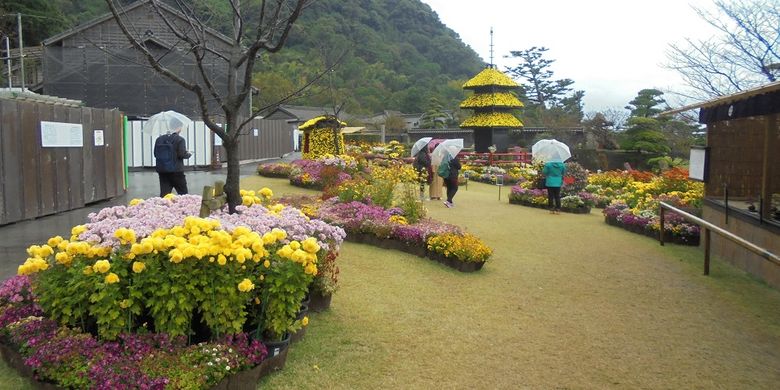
(16, 237)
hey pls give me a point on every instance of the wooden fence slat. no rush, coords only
(75, 161)
(87, 165)
(61, 167)
(12, 163)
(99, 157)
(46, 162)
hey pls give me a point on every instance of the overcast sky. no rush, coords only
(610, 48)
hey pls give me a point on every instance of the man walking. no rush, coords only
(170, 151)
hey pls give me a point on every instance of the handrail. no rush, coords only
(711, 227)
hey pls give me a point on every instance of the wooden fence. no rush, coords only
(37, 180)
(261, 139)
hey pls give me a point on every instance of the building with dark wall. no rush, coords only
(741, 173)
(96, 64)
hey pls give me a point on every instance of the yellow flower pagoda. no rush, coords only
(493, 103)
(322, 135)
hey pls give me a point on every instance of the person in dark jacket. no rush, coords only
(422, 164)
(175, 178)
(451, 181)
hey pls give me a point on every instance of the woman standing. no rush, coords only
(553, 172)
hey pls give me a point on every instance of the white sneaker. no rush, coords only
(448, 204)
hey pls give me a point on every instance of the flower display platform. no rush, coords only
(417, 250)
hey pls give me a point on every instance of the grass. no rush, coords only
(566, 302)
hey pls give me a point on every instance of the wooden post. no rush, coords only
(707, 238)
(213, 199)
(661, 228)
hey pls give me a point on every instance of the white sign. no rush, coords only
(59, 135)
(99, 138)
(257, 132)
(697, 169)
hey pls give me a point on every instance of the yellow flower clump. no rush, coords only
(495, 99)
(323, 142)
(261, 197)
(492, 119)
(490, 77)
(196, 239)
(246, 285)
(464, 247)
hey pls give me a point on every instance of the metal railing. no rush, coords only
(708, 227)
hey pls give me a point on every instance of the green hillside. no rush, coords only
(398, 53)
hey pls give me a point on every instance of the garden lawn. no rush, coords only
(566, 301)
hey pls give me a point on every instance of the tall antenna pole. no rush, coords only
(8, 59)
(21, 53)
(491, 46)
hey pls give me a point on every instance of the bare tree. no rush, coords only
(745, 54)
(273, 21)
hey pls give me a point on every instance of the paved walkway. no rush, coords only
(16, 237)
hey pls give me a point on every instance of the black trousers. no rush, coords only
(554, 196)
(452, 188)
(171, 180)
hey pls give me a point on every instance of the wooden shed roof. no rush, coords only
(734, 97)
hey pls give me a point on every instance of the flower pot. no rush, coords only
(469, 266)
(15, 360)
(297, 335)
(242, 380)
(319, 302)
(277, 355)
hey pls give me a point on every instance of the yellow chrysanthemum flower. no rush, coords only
(101, 266)
(246, 285)
(138, 267)
(112, 278)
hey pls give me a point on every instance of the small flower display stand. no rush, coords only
(576, 210)
(417, 250)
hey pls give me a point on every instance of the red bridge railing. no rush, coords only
(495, 158)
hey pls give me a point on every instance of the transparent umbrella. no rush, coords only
(550, 150)
(420, 144)
(165, 122)
(446, 150)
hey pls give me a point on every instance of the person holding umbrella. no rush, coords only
(553, 172)
(451, 181)
(422, 163)
(445, 156)
(554, 153)
(170, 151)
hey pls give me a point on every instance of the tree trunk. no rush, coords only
(232, 186)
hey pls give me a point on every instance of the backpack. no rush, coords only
(444, 169)
(165, 154)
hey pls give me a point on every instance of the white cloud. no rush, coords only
(610, 48)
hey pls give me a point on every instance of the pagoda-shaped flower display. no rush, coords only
(493, 102)
(322, 135)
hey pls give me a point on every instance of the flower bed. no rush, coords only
(676, 229)
(324, 172)
(280, 170)
(148, 279)
(576, 204)
(387, 228)
(635, 196)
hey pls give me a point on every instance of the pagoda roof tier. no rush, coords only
(490, 77)
(324, 121)
(492, 119)
(492, 99)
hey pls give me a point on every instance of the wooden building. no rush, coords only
(742, 175)
(95, 63)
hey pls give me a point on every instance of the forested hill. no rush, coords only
(398, 53)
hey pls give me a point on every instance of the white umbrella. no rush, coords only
(448, 149)
(420, 144)
(550, 150)
(165, 122)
